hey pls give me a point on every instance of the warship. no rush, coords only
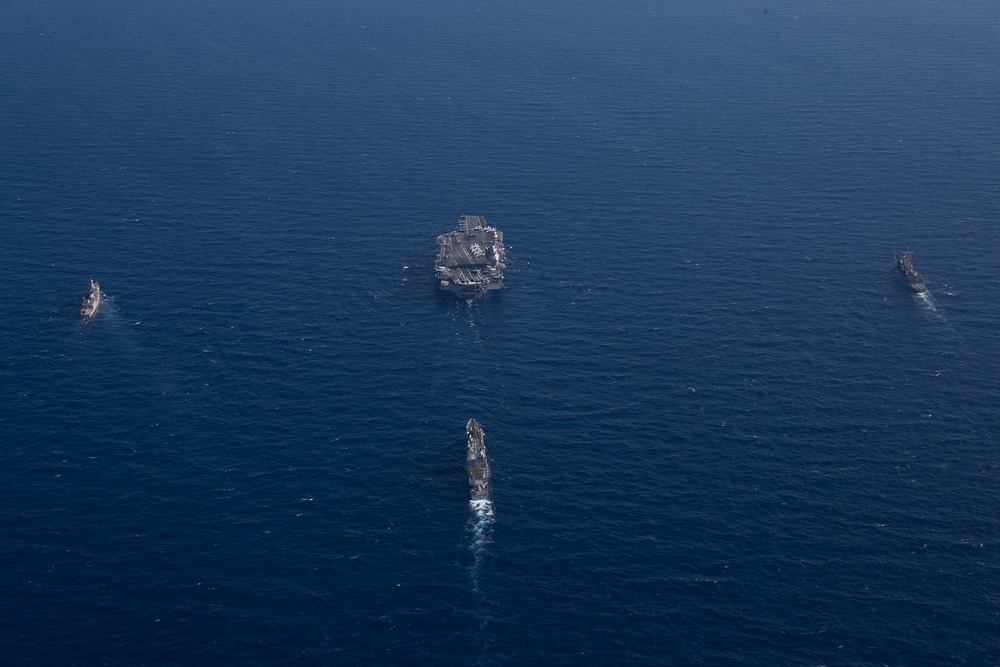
(91, 300)
(475, 461)
(913, 277)
(470, 259)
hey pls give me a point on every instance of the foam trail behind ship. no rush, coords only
(480, 527)
(925, 300)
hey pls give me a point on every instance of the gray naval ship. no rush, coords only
(475, 461)
(470, 260)
(913, 277)
(91, 300)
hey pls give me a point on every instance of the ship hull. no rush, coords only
(92, 301)
(467, 290)
(914, 280)
(470, 259)
(477, 466)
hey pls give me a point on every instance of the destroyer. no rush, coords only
(913, 277)
(475, 461)
(470, 260)
(91, 300)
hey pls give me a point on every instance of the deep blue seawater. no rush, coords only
(722, 430)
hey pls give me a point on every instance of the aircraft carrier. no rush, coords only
(470, 259)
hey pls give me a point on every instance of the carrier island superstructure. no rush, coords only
(470, 259)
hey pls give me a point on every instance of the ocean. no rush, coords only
(721, 428)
